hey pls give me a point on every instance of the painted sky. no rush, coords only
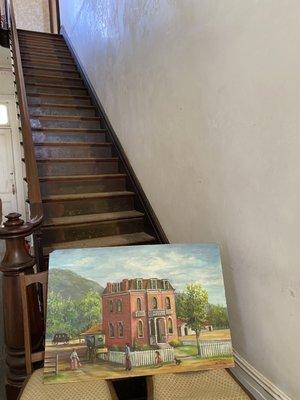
(180, 263)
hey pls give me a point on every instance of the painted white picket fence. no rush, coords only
(139, 358)
(215, 348)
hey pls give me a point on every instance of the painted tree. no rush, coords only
(217, 316)
(193, 305)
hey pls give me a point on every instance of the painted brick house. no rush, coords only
(139, 311)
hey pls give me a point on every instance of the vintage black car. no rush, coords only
(60, 338)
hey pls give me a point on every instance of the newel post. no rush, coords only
(16, 260)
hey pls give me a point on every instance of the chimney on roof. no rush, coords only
(125, 284)
(109, 287)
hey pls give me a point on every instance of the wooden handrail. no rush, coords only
(34, 194)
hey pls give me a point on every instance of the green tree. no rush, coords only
(72, 316)
(62, 315)
(193, 304)
(217, 315)
(89, 310)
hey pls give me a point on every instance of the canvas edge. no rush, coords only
(254, 381)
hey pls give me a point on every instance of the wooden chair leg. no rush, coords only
(149, 380)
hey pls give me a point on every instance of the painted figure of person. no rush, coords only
(158, 359)
(128, 365)
(74, 360)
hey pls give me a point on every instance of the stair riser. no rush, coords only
(79, 186)
(72, 152)
(30, 43)
(57, 72)
(87, 206)
(77, 168)
(93, 230)
(39, 35)
(36, 56)
(68, 137)
(86, 112)
(50, 50)
(53, 80)
(42, 123)
(55, 90)
(47, 62)
(54, 100)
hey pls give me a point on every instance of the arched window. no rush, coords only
(121, 329)
(111, 330)
(168, 303)
(138, 304)
(140, 329)
(154, 303)
(170, 325)
(110, 306)
(119, 305)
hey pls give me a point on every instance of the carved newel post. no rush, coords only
(16, 260)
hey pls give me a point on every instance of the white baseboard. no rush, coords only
(257, 384)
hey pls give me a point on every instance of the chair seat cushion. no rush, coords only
(35, 389)
(204, 385)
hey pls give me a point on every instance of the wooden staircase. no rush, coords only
(88, 200)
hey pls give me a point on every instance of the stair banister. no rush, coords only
(17, 258)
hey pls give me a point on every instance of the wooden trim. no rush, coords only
(54, 16)
(150, 387)
(239, 383)
(133, 181)
(34, 193)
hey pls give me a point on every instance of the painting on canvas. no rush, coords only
(132, 311)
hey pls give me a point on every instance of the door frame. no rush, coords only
(16, 138)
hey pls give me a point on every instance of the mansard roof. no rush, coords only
(138, 284)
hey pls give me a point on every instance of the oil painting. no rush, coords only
(138, 310)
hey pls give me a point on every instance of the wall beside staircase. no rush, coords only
(32, 15)
(204, 96)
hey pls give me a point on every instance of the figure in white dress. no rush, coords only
(74, 360)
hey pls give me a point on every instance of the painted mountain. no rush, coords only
(68, 284)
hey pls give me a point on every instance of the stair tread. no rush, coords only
(46, 61)
(69, 96)
(27, 32)
(46, 55)
(60, 105)
(80, 177)
(74, 144)
(77, 159)
(56, 117)
(44, 47)
(69, 130)
(106, 241)
(86, 218)
(81, 196)
(71, 78)
(55, 85)
(25, 65)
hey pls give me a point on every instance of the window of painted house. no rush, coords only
(168, 303)
(140, 329)
(3, 114)
(110, 306)
(153, 283)
(119, 306)
(154, 303)
(139, 284)
(138, 304)
(166, 284)
(111, 330)
(121, 329)
(170, 325)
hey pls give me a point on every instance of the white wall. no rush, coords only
(204, 96)
(32, 15)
